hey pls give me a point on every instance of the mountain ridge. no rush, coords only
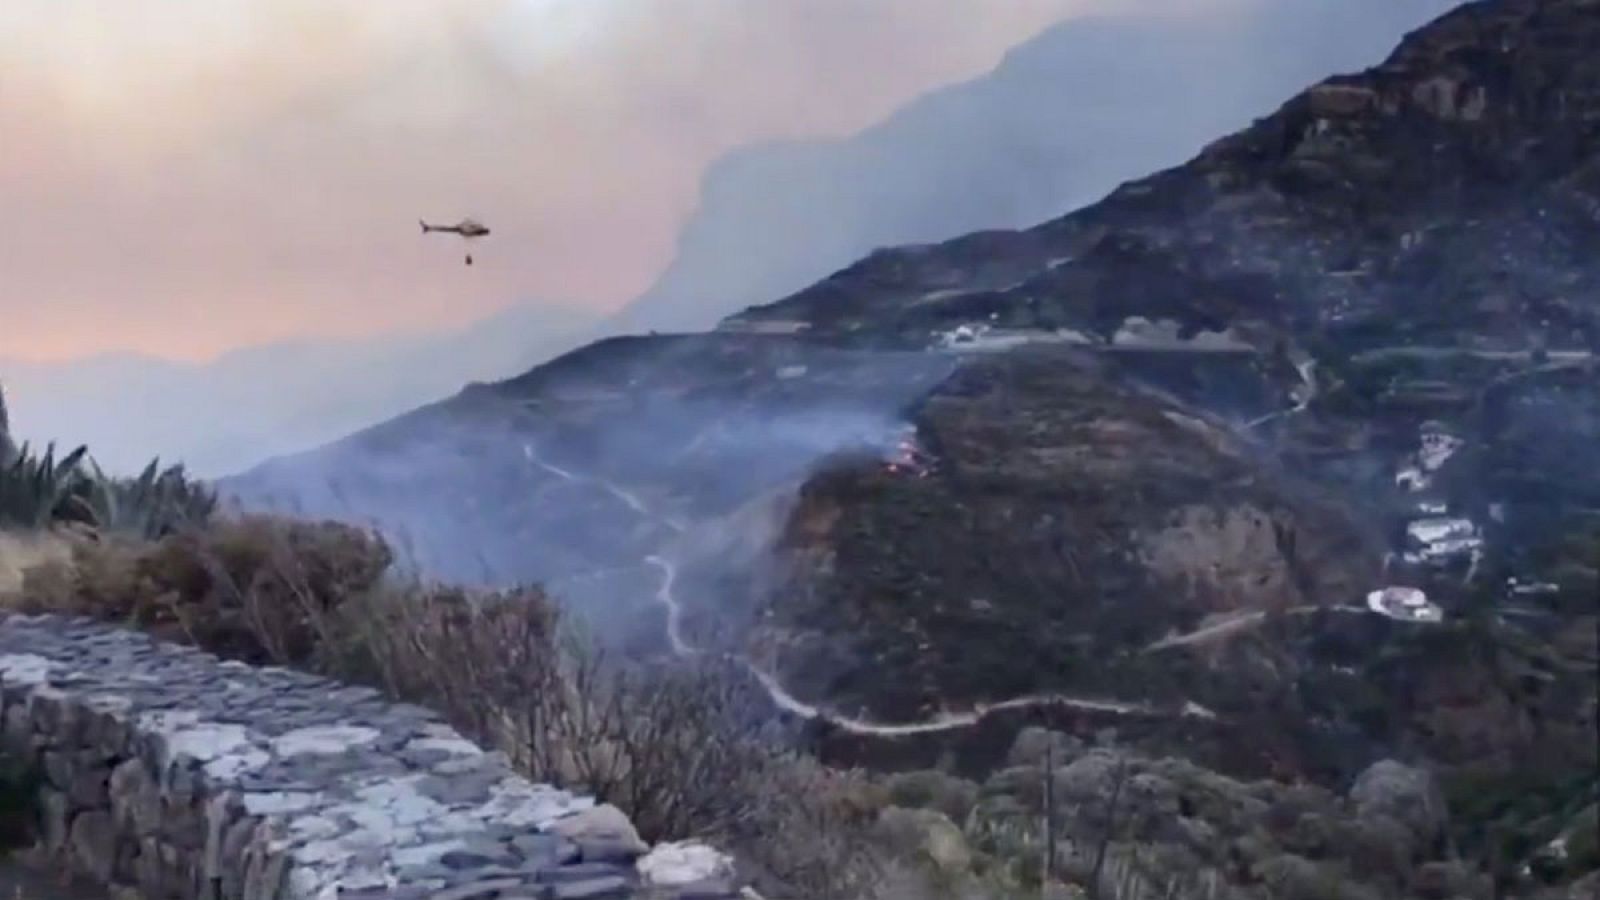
(1058, 122)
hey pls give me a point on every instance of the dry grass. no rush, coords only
(21, 552)
(256, 589)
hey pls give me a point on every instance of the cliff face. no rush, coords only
(1151, 455)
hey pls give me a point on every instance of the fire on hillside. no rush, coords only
(906, 457)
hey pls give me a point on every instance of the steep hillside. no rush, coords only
(1136, 467)
(1063, 119)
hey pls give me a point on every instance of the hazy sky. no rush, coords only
(186, 176)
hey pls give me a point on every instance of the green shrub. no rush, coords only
(41, 490)
(156, 503)
(955, 797)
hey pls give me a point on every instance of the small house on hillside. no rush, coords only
(1406, 604)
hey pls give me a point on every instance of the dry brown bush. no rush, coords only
(683, 747)
(257, 589)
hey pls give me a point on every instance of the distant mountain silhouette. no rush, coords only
(262, 401)
(1061, 121)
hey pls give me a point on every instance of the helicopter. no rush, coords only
(467, 228)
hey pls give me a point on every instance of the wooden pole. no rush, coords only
(1049, 818)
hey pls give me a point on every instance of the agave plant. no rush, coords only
(155, 503)
(8, 450)
(38, 491)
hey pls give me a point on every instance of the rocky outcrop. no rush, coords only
(181, 776)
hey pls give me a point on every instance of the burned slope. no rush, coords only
(1059, 524)
(1401, 263)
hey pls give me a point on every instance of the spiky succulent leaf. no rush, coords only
(39, 490)
(152, 504)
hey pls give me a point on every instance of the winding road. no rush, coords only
(1308, 377)
(949, 720)
(669, 601)
(1241, 622)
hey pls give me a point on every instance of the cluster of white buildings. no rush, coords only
(1442, 539)
(975, 337)
(1435, 537)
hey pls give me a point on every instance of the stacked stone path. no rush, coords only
(172, 774)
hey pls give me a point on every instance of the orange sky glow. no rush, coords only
(182, 178)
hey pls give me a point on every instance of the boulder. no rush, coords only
(602, 834)
(684, 863)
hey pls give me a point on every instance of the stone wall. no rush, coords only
(173, 774)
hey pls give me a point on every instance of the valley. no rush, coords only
(1131, 474)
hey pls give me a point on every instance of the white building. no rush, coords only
(1438, 446)
(1412, 479)
(980, 337)
(1441, 538)
(1406, 604)
(1520, 588)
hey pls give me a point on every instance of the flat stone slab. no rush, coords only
(181, 775)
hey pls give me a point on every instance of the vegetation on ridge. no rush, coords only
(42, 490)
